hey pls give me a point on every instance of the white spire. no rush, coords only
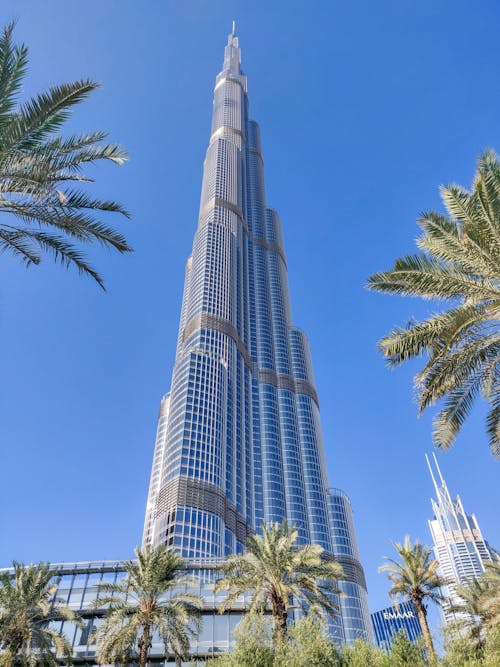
(232, 56)
(432, 473)
(438, 469)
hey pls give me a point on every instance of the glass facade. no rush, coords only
(459, 545)
(77, 586)
(354, 602)
(239, 439)
(388, 622)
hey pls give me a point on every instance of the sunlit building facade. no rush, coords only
(459, 545)
(239, 440)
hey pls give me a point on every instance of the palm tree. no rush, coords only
(459, 264)
(27, 605)
(39, 170)
(491, 598)
(479, 610)
(276, 571)
(416, 579)
(470, 617)
(143, 602)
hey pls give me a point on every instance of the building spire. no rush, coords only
(439, 489)
(232, 54)
(432, 473)
(232, 40)
(438, 469)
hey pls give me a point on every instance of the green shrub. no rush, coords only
(404, 652)
(362, 654)
(308, 646)
(253, 647)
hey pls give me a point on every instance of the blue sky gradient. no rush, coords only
(365, 108)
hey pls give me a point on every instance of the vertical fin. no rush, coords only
(432, 473)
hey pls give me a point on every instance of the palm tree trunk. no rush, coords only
(280, 616)
(422, 618)
(9, 659)
(144, 646)
(476, 635)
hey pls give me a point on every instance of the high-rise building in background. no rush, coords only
(459, 545)
(239, 438)
(388, 622)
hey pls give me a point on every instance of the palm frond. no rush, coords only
(75, 223)
(72, 199)
(116, 641)
(461, 264)
(429, 278)
(447, 241)
(82, 148)
(456, 199)
(36, 165)
(458, 405)
(493, 423)
(44, 114)
(486, 211)
(20, 244)
(433, 336)
(448, 372)
(38, 171)
(61, 249)
(13, 65)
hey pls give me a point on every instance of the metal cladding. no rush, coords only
(239, 440)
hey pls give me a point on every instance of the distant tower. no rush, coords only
(459, 545)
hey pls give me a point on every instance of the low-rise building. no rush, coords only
(388, 622)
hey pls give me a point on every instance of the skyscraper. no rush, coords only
(459, 545)
(239, 438)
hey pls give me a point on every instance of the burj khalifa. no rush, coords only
(239, 441)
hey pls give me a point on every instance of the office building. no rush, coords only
(459, 545)
(388, 622)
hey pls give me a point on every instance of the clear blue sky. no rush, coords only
(365, 108)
